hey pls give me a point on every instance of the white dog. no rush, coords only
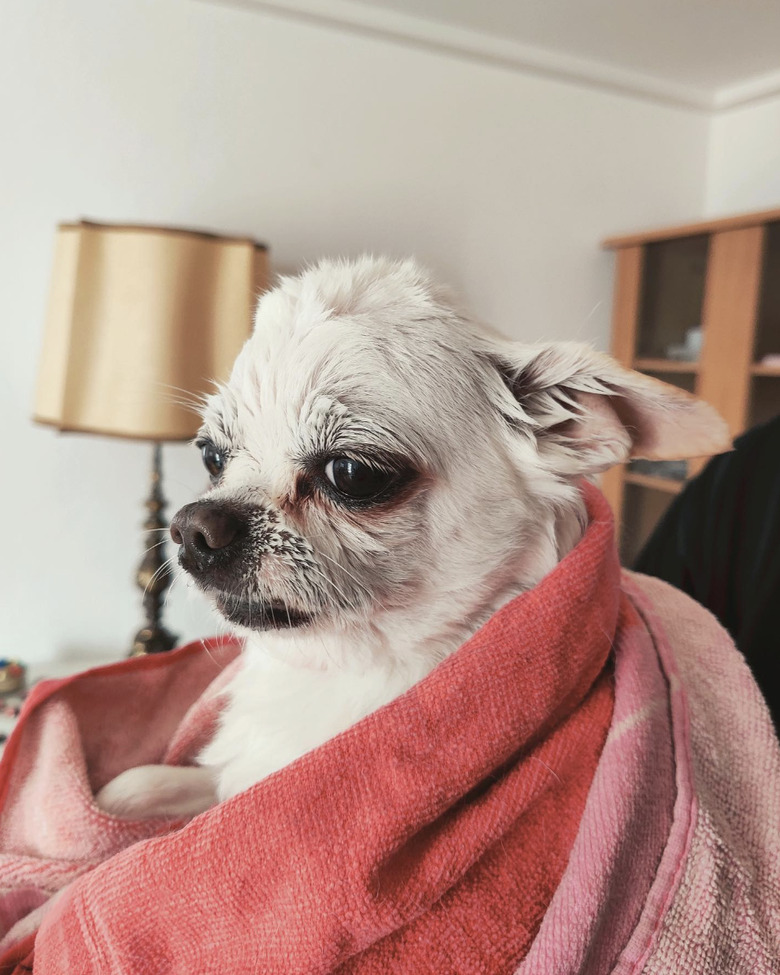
(385, 476)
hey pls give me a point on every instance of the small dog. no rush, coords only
(386, 476)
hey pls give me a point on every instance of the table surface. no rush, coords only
(44, 669)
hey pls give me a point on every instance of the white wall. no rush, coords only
(319, 142)
(743, 159)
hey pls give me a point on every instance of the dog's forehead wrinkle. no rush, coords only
(368, 431)
(220, 417)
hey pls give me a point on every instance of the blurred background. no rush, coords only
(498, 142)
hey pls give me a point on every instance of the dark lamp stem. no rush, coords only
(154, 573)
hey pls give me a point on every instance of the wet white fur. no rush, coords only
(371, 355)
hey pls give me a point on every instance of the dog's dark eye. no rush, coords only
(213, 458)
(355, 479)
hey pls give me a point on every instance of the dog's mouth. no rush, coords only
(255, 614)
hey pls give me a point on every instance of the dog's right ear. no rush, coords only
(588, 413)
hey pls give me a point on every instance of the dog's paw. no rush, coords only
(158, 791)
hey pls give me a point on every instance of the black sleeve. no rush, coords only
(720, 542)
(691, 540)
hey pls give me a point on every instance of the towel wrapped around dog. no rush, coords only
(590, 784)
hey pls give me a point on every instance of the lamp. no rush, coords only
(137, 317)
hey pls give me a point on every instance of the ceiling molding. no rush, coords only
(435, 36)
(747, 92)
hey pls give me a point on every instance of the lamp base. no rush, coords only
(152, 640)
(154, 572)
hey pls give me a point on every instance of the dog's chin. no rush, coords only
(256, 614)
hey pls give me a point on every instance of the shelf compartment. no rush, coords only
(672, 294)
(764, 398)
(669, 485)
(645, 364)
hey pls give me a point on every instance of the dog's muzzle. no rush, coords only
(216, 550)
(211, 534)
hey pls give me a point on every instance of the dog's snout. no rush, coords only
(206, 531)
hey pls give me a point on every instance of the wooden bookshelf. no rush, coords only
(722, 276)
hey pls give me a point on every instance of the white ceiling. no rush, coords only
(708, 44)
(704, 53)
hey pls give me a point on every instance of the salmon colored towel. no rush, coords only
(477, 824)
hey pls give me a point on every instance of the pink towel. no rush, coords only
(477, 824)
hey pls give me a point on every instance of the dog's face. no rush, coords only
(381, 466)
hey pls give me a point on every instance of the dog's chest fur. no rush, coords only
(276, 712)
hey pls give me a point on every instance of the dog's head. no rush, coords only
(380, 465)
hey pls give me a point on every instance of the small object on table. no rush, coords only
(13, 676)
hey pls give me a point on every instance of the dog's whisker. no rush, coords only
(344, 600)
(329, 581)
(210, 655)
(178, 576)
(160, 569)
(346, 572)
(167, 565)
(146, 551)
(195, 402)
(350, 601)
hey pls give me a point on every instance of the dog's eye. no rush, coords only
(213, 458)
(355, 479)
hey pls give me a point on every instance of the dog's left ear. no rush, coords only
(588, 413)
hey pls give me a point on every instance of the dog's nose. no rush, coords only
(206, 530)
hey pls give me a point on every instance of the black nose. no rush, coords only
(208, 532)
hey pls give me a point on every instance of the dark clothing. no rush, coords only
(720, 542)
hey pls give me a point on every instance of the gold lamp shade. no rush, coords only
(139, 317)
